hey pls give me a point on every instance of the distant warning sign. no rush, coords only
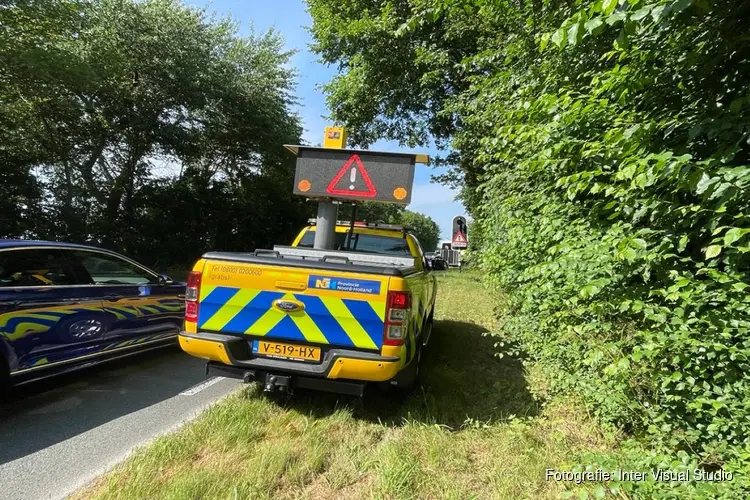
(354, 174)
(460, 232)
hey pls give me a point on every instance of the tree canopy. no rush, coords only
(145, 126)
(603, 152)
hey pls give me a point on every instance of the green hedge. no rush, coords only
(615, 211)
(602, 151)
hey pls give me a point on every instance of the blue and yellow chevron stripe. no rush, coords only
(19, 324)
(324, 320)
(145, 306)
(90, 350)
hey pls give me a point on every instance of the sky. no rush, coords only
(289, 18)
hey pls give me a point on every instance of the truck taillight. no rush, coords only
(397, 318)
(399, 300)
(192, 293)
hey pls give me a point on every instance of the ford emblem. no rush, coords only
(289, 305)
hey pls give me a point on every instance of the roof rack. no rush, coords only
(378, 225)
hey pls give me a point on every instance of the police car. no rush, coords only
(64, 306)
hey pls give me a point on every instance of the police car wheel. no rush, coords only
(5, 387)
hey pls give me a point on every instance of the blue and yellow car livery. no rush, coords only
(55, 317)
(320, 325)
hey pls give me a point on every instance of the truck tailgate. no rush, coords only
(312, 306)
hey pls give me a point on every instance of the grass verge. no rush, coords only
(471, 431)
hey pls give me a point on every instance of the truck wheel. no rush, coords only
(410, 379)
(427, 334)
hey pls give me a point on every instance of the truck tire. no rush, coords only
(429, 326)
(409, 378)
(412, 380)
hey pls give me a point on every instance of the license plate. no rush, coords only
(286, 351)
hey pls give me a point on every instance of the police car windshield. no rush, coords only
(366, 243)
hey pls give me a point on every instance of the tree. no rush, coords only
(424, 227)
(373, 211)
(602, 150)
(101, 94)
(30, 61)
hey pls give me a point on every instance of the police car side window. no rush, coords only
(111, 270)
(35, 267)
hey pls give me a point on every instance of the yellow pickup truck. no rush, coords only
(299, 317)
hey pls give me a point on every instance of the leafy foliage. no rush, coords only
(103, 102)
(604, 152)
(425, 229)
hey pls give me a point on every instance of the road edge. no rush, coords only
(88, 479)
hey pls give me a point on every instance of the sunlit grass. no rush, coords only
(471, 431)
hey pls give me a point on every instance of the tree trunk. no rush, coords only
(123, 180)
(87, 171)
(69, 215)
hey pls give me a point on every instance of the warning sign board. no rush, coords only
(460, 232)
(354, 174)
(350, 179)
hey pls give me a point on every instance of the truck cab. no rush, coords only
(386, 239)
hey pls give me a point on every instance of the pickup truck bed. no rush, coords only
(333, 260)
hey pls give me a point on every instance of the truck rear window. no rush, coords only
(366, 243)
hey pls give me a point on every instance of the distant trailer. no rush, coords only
(451, 257)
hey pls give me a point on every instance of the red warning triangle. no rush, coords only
(352, 176)
(459, 238)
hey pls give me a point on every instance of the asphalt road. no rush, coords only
(57, 436)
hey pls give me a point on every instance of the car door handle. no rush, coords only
(112, 298)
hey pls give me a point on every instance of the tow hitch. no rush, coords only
(286, 384)
(278, 383)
